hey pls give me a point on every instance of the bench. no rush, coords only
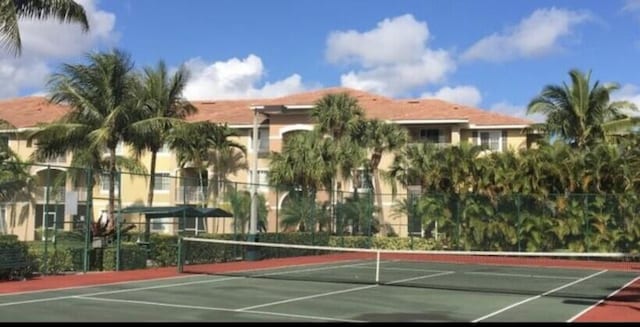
(14, 261)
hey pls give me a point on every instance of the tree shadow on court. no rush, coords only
(407, 317)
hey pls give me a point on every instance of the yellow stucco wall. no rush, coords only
(134, 188)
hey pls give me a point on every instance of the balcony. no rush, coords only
(190, 194)
(56, 194)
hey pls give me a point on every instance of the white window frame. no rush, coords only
(263, 179)
(424, 138)
(104, 184)
(496, 135)
(164, 150)
(161, 225)
(359, 181)
(162, 176)
(263, 138)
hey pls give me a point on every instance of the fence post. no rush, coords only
(119, 221)
(88, 220)
(45, 211)
(519, 232)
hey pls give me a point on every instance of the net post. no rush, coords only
(378, 267)
(180, 255)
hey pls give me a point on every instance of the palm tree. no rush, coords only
(336, 115)
(240, 202)
(302, 163)
(580, 113)
(301, 169)
(225, 161)
(11, 11)
(381, 137)
(160, 98)
(199, 145)
(100, 96)
(14, 176)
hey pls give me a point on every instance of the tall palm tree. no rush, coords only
(14, 175)
(160, 98)
(301, 164)
(336, 115)
(101, 101)
(198, 145)
(580, 112)
(11, 11)
(240, 202)
(225, 161)
(381, 137)
(301, 169)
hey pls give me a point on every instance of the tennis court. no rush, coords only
(341, 286)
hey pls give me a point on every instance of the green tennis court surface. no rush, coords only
(337, 291)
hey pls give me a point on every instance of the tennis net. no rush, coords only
(501, 272)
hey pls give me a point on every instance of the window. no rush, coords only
(193, 225)
(490, 140)
(362, 179)
(104, 183)
(161, 224)
(431, 136)
(4, 139)
(161, 182)
(164, 150)
(263, 139)
(263, 180)
(120, 148)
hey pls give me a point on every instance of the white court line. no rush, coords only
(404, 269)
(306, 270)
(117, 291)
(520, 275)
(197, 307)
(94, 285)
(338, 292)
(161, 286)
(602, 300)
(538, 296)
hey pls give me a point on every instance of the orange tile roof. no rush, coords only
(29, 111)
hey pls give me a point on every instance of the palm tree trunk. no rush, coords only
(112, 193)
(375, 162)
(378, 193)
(152, 180)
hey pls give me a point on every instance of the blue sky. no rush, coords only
(492, 54)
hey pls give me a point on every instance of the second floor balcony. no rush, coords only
(190, 194)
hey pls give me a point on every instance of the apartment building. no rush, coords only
(429, 120)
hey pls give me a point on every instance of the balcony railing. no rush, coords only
(58, 194)
(190, 194)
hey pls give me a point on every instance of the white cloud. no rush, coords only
(44, 41)
(235, 79)
(631, 5)
(537, 35)
(465, 94)
(507, 108)
(628, 92)
(393, 57)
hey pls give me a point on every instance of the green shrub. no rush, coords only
(11, 243)
(132, 256)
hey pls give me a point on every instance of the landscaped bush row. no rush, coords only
(12, 244)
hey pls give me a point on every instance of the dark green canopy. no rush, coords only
(176, 212)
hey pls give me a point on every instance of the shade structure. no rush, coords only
(176, 212)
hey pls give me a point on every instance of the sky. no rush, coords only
(495, 55)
